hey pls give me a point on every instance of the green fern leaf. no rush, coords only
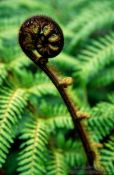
(101, 123)
(104, 78)
(72, 154)
(95, 58)
(90, 21)
(56, 164)
(65, 62)
(33, 150)
(3, 72)
(107, 156)
(57, 116)
(12, 102)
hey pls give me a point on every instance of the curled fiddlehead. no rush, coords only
(41, 36)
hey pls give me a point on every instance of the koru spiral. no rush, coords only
(41, 34)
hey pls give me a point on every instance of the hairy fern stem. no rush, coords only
(78, 127)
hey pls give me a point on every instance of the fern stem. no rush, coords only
(39, 50)
(73, 112)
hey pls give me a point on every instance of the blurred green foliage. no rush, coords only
(36, 131)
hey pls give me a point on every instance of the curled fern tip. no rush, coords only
(43, 35)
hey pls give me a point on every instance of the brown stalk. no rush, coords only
(78, 127)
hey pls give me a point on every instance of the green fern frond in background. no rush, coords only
(95, 57)
(32, 157)
(107, 155)
(56, 161)
(102, 121)
(12, 103)
(36, 131)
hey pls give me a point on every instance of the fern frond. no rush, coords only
(94, 21)
(101, 123)
(95, 58)
(104, 78)
(87, 14)
(12, 102)
(57, 163)
(72, 154)
(21, 8)
(58, 117)
(12, 32)
(9, 23)
(32, 157)
(33, 84)
(42, 88)
(6, 45)
(78, 4)
(65, 62)
(13, 65)
(60, 121)
(37, 84)
(3, 72)
(18, 62)
(44, 125)
(111, 97)
(107, 156)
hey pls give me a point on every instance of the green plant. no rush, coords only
(37, 134)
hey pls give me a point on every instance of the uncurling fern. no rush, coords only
(37, 133)
(41, 38)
